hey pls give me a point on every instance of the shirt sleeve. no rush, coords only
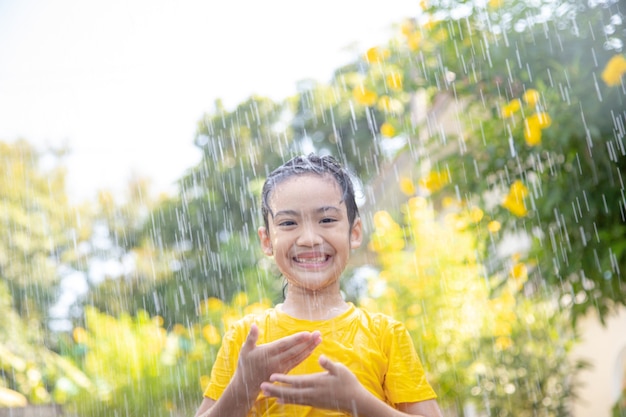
(405, 380)
(226, 361)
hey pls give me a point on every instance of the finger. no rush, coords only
(284, 393)
(296, 354)
(297, 345)
(297, 380)
(251, 339)
(301, 338)
(327, 364)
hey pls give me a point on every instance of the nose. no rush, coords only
(309, 236)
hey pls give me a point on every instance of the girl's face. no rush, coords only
(309, 234)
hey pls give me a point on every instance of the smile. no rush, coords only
(311, 261)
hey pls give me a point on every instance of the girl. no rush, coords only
(315, 354)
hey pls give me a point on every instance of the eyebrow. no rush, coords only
(296, 213)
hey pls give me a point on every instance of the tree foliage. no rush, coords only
(36, 226)
(539, 147)
(139, 367)
(211, 225)
(501, 355)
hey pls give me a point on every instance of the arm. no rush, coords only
(339, 389)
(255, 365)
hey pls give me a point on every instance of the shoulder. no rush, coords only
(380, 322)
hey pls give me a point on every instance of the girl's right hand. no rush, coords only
(257, 362)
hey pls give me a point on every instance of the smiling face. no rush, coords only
(309, 233)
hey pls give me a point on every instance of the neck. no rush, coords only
(313, 305)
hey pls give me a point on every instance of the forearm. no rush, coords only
(365, 404)
(236, 400)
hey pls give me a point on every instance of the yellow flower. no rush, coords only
(394, 80)
(240, 299)
(414, 40)
(417, 203)
(211, 305)
(503, 343)
(211, 334)
(543, 119)
(179, 330)
(448, 202)
(434, 181)
(407, 27)
(532, 133)
(531, 97)
(511, 108)
(514, 201)
(387, 130)
(495, 4)
(376, 54)
(384, 221)
(614, 70)
(406, 186)
(158, 320)
(364, 96)
(384, 103)
(389, 105)
(494, 226)
(80, 335)
(476, 214)
(533, 125)
(519, 274)
(455, 221)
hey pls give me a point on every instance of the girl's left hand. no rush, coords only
(335, 389)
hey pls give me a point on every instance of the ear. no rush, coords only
(266, 243)
(356, 234)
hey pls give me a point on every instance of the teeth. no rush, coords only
(311, 260)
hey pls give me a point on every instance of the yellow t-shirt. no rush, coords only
(375, 347)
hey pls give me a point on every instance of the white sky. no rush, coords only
(124, 83)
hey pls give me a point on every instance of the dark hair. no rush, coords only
(311, 164)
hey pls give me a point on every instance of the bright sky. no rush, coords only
(124, 83)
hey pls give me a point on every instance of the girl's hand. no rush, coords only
(335, 389)
(257, 362)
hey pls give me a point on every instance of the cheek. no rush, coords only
(278, 245)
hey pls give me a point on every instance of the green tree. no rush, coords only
(209, 228)
(38, 229)
(37, 225)
(116, 237)
(29, 371)
(540, 139)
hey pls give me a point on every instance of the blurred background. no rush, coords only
(487, 139)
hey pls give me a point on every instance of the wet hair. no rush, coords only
(311, 164)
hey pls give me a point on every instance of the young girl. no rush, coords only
(315, 354)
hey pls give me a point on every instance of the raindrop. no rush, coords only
(616, 19)
(613, 44)
(609, 29)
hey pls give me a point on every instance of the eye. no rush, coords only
(328, 220)
(287, 223)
